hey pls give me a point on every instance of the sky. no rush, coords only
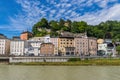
(17, 16)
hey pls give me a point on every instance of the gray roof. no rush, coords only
(2, 36)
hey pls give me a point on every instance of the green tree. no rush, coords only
(44, 23)
(82, 26)
(54, 25)
(61, 22)
(98, 31)
(69, 24)
(74, 27)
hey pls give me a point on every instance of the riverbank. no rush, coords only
(91, 62)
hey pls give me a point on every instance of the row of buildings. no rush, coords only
(66, 44)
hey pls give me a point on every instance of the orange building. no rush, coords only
(25, 35)
(47, 49)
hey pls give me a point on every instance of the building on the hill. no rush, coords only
(26, 35)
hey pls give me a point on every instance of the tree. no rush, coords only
(69, 24)
(98, 31)
(44, 23)
(74, 27)
(82, 26)
(54, 25)
(61, 22)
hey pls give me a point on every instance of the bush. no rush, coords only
(74, 59)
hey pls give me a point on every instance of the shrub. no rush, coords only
(74, 59)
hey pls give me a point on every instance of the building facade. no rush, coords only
(92, 46)
(33, 48)
(102, 49)
(55, 42)
(17, 47)
(26, 35)
(4, 46)
(81, 46)
(47, 49)
(107, 47)
(44, 39)
(66, 46)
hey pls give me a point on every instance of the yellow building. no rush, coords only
(66, 45)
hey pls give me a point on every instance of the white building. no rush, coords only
(55, 42)
(4, 46)
(34, 44)
(33, 48)
(17, 47)
(44, 39)
(107, 48)
(103, 47)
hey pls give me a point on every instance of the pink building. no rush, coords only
(81, 46)
(92, 46)
(86, 46)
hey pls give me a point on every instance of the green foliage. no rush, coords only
(75, 28)
(54, 25)
(54, 34)
(74, 59)
(98, 31)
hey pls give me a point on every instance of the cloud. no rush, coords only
(34, 10)
(103, 15)
(91, 11)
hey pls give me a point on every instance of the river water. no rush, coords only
(15, 72)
